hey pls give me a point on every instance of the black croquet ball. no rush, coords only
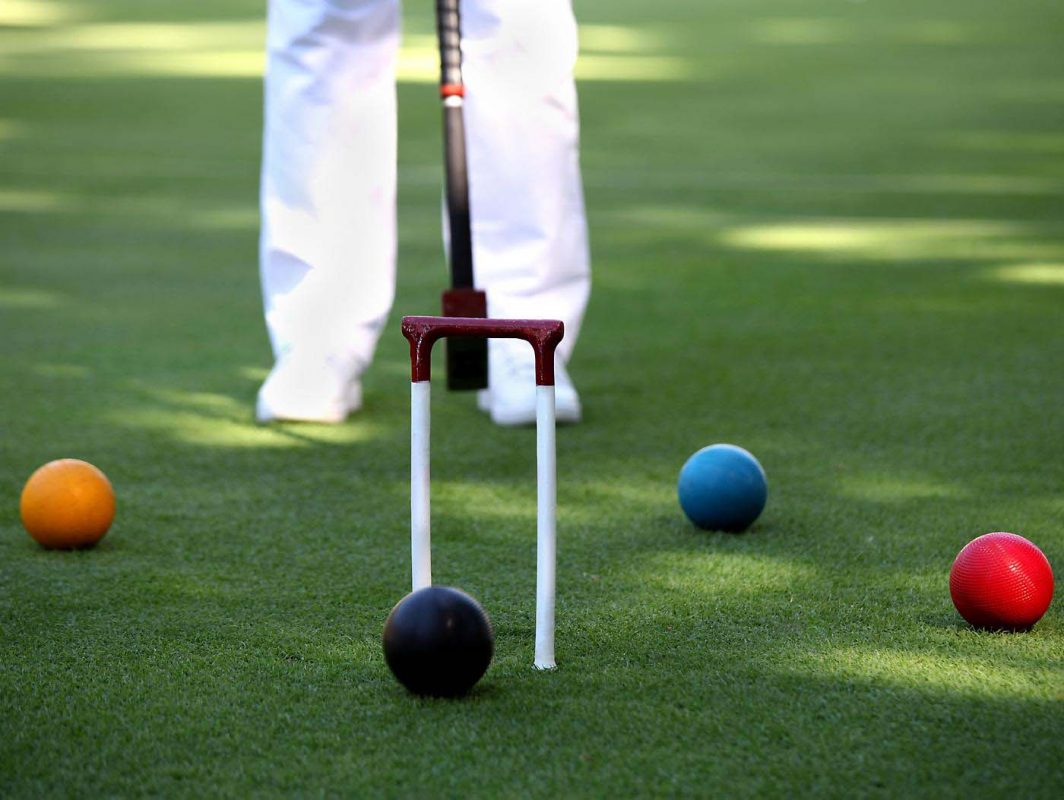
(438, 641)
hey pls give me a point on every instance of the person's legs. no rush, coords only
(328, 243)
(526, 196)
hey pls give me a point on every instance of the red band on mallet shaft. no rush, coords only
(452, 90)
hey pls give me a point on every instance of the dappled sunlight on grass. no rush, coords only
(213, 64)
(1054, 505)
(235, 49)
(1036, 89)
(987, 675)
(854, 236)
(243, 217)
(198, 429)
(616, 493)
(206, 419)
(669, 218)
(797, 30)
(939, 32)
(592, 67)
(898, 239)
(12, 129)
(1036, 274)
(173, 586)
(215, 49)
(205, 37)
(967, 184)
(1010, 142)
(462, 499)
(172, 210)
(31, 200)
(621, 39)
(35, 299)
(207, 402)
(219, 49)
(515, 498)
(970, 184)
(343, 651)
(579, 502)
(253, 374)
(895, 489)
(17, 13)
(730, 574)
(63, 371)
(813, 31)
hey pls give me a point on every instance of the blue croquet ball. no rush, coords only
(438, 642)
(722, 488)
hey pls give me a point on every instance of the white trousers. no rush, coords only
(328, 193)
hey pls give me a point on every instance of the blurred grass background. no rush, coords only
(827, 231)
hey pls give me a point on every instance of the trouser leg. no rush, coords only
(522, 128)
(328, 241)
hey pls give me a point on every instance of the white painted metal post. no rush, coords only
(546, 510)
(420, 538)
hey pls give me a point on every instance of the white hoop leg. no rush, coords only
(546, 548)
(420, 539)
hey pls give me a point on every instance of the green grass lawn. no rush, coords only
(828, 231)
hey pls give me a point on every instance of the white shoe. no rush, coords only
(510, 398)
(302, 389)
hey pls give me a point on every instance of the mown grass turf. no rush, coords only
(827, 231)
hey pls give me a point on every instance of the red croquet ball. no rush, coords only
(1001, 581)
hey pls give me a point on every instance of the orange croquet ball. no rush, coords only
(67, 504)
